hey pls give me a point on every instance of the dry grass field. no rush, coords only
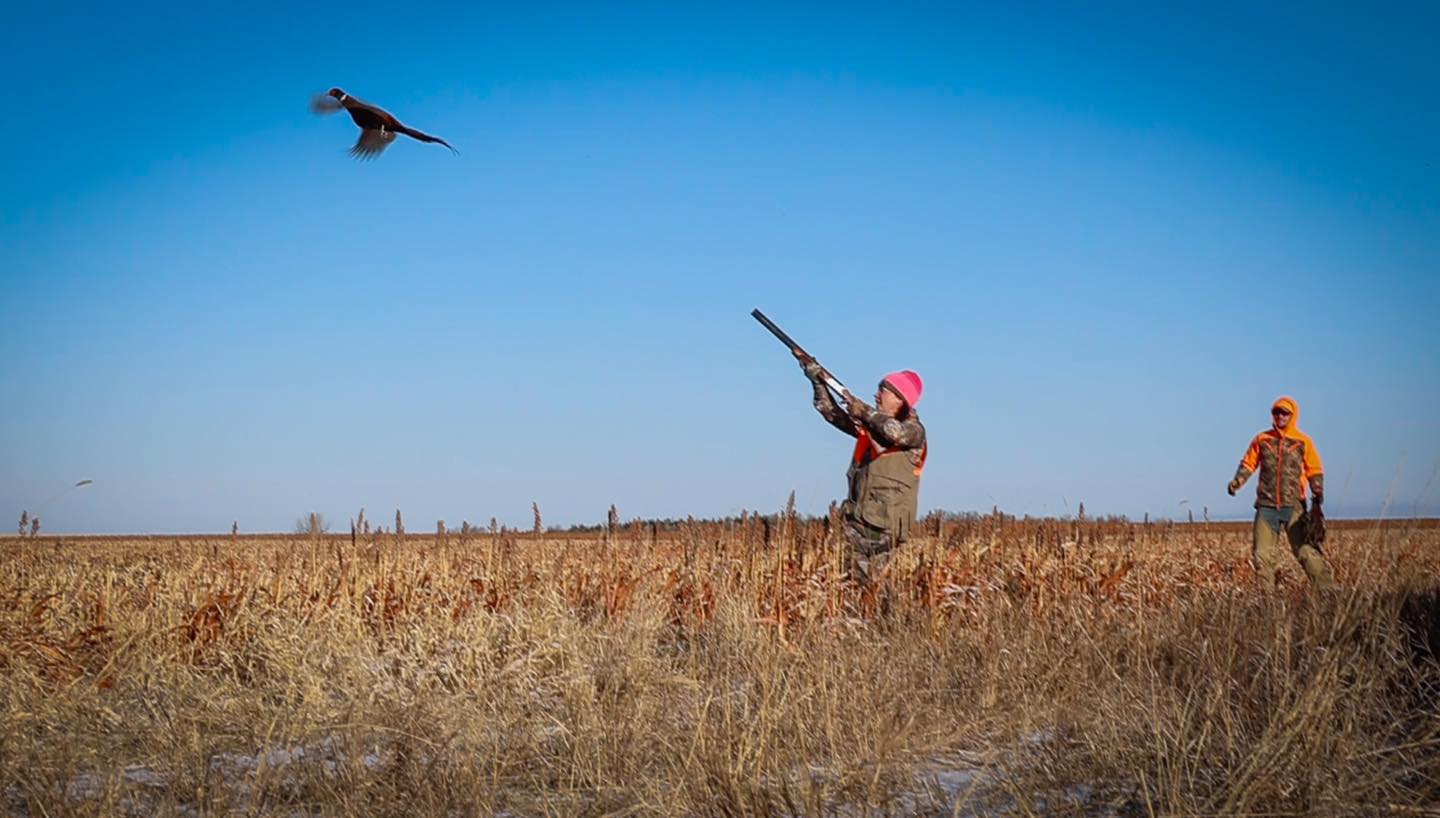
(1002, 666)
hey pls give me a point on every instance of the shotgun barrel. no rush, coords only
(830, 380)
(775, 330)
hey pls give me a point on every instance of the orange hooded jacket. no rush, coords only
(1287, 460)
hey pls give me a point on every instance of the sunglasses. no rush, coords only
(1285, 412)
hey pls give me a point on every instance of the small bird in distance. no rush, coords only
(378, 127)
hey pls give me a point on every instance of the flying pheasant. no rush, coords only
(378, 127)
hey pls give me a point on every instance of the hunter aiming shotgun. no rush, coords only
(885, 464)
(830, 380)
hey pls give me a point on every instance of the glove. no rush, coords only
(855, 406)
(811, 366)
(1231, 488)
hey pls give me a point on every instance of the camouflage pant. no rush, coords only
(868, 549)
(1274, 526)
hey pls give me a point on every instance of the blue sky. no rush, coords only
(1107, 238)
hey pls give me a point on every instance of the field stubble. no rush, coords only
(1002, 666)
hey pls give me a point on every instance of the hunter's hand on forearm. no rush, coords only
(856, 407)
(809, 365)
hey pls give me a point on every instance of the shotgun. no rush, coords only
(830, 380)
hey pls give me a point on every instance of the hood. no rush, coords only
(1293, 430)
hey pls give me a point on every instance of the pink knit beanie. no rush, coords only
(907, 383)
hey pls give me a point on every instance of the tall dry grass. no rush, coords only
(1000, 667)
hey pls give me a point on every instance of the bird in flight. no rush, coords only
(378, 127)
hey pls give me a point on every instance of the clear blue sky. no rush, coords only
(1107, 238)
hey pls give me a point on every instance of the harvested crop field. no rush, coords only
(1001, 666)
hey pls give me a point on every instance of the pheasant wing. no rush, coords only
(371, 143)
(324, 105)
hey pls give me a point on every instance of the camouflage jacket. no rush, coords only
(1286, 462)
(890, 433)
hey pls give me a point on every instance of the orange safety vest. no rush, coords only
(866, 449)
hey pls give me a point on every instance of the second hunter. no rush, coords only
(885, 468)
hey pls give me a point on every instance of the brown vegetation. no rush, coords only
(1002, 666)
